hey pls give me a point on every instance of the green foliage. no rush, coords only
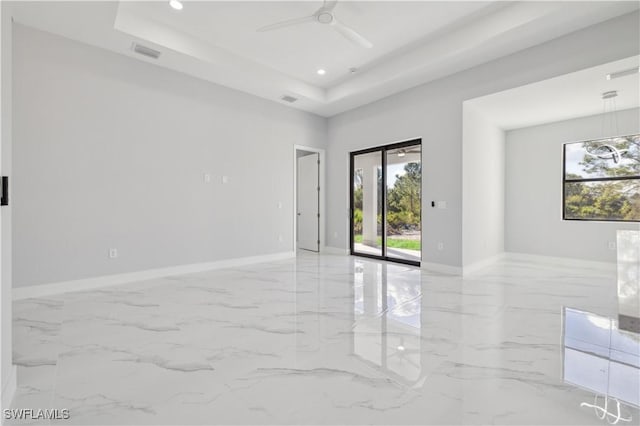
(357, 201)
(357, 221)
(402, 220)
(357, 198)
(357, 189)
(628, 165)
(394, 242)
(404, 200)
(403, 244)
(606, 200)
(613, 200)
(403, 209)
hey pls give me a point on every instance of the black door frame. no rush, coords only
(383, 152)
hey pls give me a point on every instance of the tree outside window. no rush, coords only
(602, 179)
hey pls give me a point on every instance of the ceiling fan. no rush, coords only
(325, 16)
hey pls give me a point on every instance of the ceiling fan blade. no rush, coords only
(351, 34)
(287, 23)
(329, 4)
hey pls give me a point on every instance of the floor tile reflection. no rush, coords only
(313, 340)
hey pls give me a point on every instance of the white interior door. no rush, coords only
(309, 202)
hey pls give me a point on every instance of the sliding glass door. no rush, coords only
(367, 197)
(386, 202)
(404, 202)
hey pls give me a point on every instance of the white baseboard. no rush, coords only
(9, 388)
(520, 257)
(109, 280)
(334, 250)
(561, 261)
(441, 268)
(484, 263)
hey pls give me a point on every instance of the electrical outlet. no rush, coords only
(279, 204)
(280, 238)
(440, 246)
(612, 245)
(335, 235)
(113, 253)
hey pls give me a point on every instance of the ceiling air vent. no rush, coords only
(289, 99)
(624, 73)
(146, 51)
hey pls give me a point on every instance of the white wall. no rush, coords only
(110, 152)
(7, 370)
(483, 187)
(534, 222)
(433, 111)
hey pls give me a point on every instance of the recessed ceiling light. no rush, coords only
(176, 4)
(321, 72)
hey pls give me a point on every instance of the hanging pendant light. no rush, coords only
(609, 130)
(609, 114)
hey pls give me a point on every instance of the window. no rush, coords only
(601, 180)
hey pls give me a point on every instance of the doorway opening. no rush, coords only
(308, 199)
(386, 202)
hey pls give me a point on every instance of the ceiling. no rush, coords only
(573, 95)
(299, 51)
(413, 42)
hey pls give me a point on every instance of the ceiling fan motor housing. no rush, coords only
(324, 17)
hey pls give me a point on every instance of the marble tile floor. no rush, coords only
(319, 339)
